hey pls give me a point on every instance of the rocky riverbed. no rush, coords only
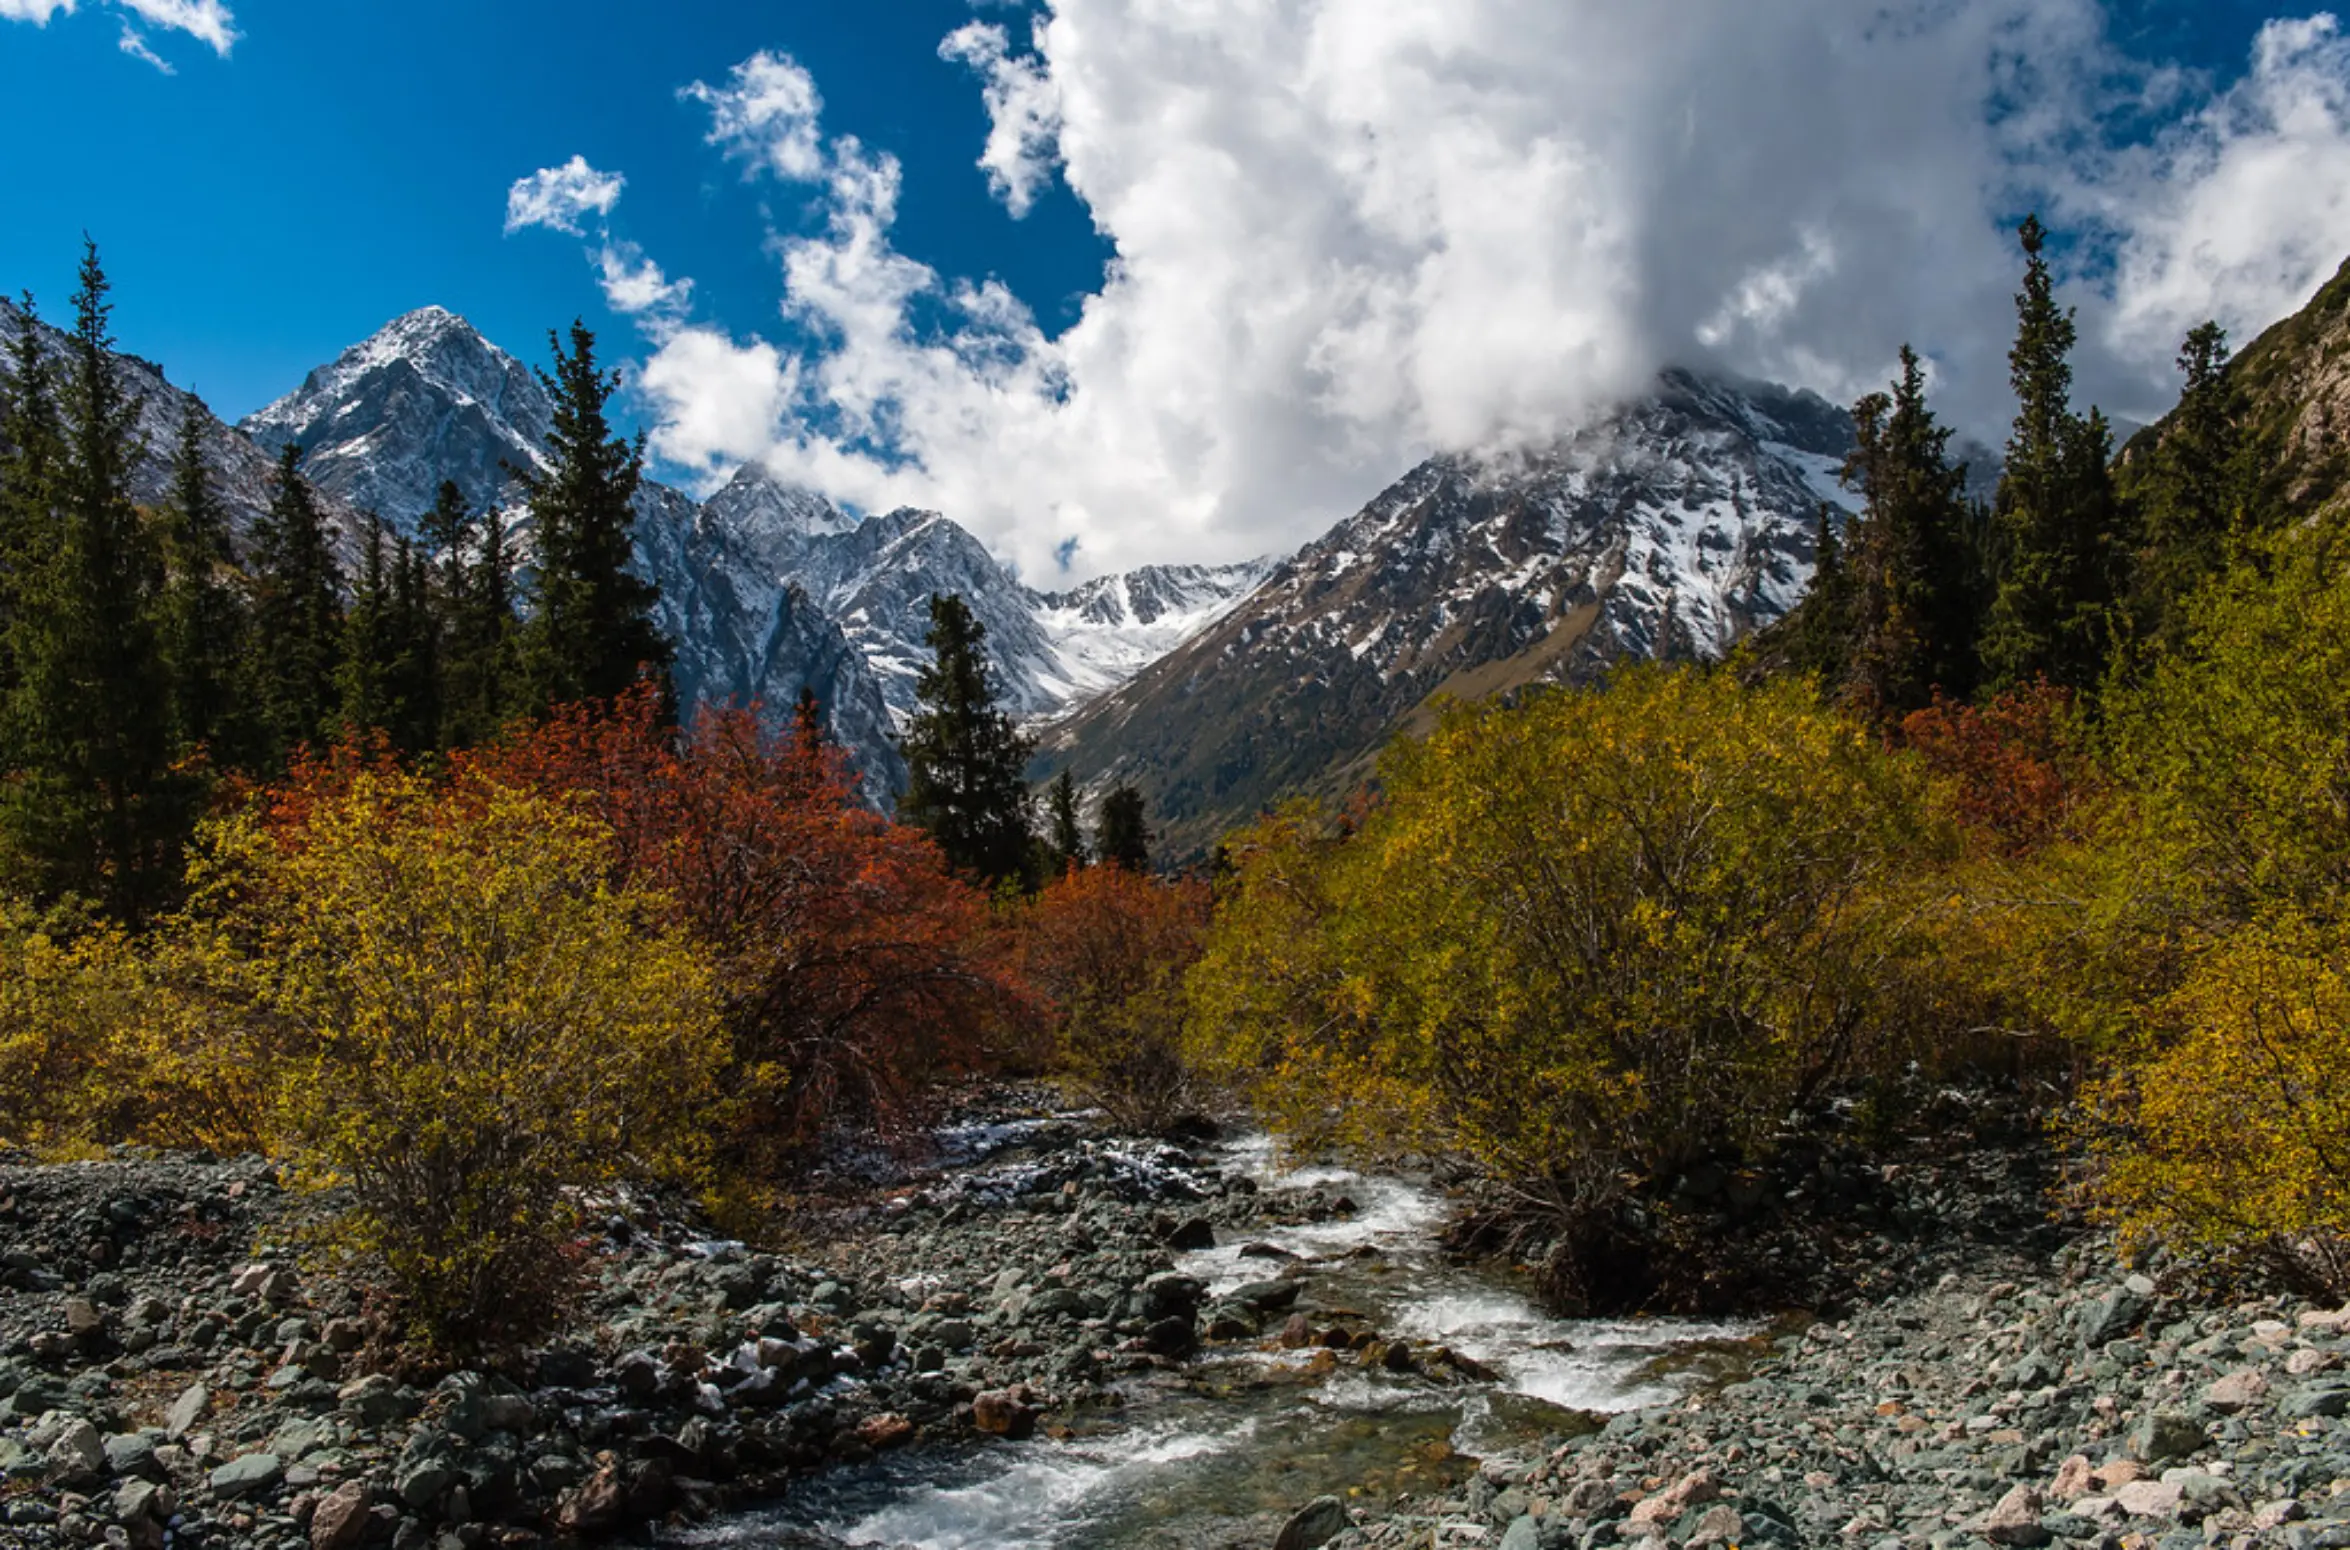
(1042, 1335)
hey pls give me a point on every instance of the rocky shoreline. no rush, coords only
(2026, 1401)
(174, 1372)
(162, 1383)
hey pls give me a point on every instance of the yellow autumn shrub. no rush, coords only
(2228, 1126)
(1601, 934)
(465, 1020)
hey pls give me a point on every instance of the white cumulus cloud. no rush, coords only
(767, 114)
(1024, 115)
(2242, 210)
(634, 286)
(208, 21)
(559, 198)
(1346, 235)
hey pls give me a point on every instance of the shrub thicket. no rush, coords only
(1108, 948)
(1604, 934)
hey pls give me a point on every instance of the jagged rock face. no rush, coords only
(1669, 529)
(426, 399)
(244, 474)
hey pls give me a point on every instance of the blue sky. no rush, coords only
(348, 162)
(1346, 232)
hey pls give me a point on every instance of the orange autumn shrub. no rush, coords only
(854, 970)
(1108, 949)
(2012, 770)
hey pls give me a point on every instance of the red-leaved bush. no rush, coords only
(854, 969)
(2013, 767)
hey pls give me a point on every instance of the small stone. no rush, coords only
(888, 1430)
(2149, 1499)
(129, 1454)
(247, 1476)
(340, 1520)
(2236, 1392)
(1006, 1413)
(2164, 1435)
(2329, 1399)
(1666, 1506)
(2016, 1519)
(83, 1320)
(78, 1453)
(2075, 1478)
(194, 1402)
(1316, 1524)
(135, 1501)
(1717, 1525)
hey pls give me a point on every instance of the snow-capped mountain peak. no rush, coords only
(423, 399)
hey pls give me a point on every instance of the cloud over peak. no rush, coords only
(1349, 235)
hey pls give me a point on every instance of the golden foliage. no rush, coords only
(2230, 1127)
(464, 1018)
(1602, 932)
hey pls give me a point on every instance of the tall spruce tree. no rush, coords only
(965, 759)
(480, 681)
(363, 677)
(1123, 838)
(206, 625)
(1817, 637)
(297, 617)
(2197, 493)
(413, 632)
(591, 633)
(2059, 522)
(1912, 593)
(32, 455)
(1067, 839)
(95, 808)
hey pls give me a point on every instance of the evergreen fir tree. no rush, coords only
(205, 621)
(32, 453)
(1912, 592)
(965, 759)
(592, 632)
(297, 617)
(2057, 514)
(413, 629)
(479, 689)
(2197, 491)
(1818, 634)
(95, 809)
(1068, 838)
(363, 677)
(1123, 838)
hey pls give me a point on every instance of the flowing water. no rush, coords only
(1246, 1433)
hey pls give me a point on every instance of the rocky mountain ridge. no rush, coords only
(1669, 529)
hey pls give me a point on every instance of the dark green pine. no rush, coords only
(965, 759)
(206, 622)
(1123, 838)
(591, 634)
(93, 808)
(2059, 523)
(297, 617)
(1068, 835)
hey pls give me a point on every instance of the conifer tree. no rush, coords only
(1068, 837)
(363, 677)
(1818, 634)
(591, 633)
(32, 453)
(479, 677)
(1913, 596)
(1123, 838)
(2197, 492)
(965, 759)
(205, 620)
(413, 628)
(297, 617)
(2057, 515)
(94, 808)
